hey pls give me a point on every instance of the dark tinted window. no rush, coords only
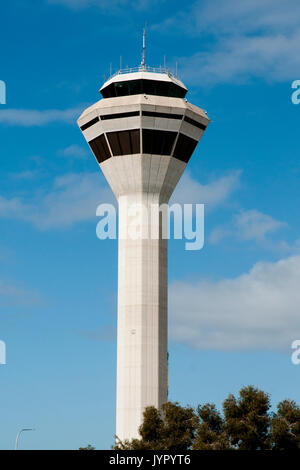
(135, 87)
(121, 88)
(185, 147)
(158, 142)
(124, 142)
(100, 148)
(162, 115)
(89, 124)
(119, 115)
(148, 87)
(195, 123)
(114, 143)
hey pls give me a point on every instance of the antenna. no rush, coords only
(144, 47)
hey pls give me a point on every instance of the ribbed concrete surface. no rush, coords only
(141, 183)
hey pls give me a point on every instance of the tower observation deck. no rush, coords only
(142, 134)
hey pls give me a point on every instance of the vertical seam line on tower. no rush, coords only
(177, 136)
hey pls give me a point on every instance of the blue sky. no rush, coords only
(234, 306)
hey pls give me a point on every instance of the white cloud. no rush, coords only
(11, 295)
(237, 59)
(248, 225)
(25, 175)
(74, 151)
(72, 198)
(212, 194)
(258, 310)
(249, 38)
(30, 117)
(234, 16)
(253, 224)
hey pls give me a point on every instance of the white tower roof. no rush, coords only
(143, 73)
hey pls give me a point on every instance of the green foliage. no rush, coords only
(247, 420)
(246, 424)
(211, 433)
(171, 429)
(179, 427)
(285, 427)
(88, 447)
(150, 431)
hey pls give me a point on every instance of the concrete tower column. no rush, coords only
(142, 312)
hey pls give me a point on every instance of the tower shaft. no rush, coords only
(142, 185)
(142, 314)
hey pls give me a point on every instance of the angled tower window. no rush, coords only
(158, 142)
(149, 87)
(100, 148)
(114, 143)
(135, 87)
(124, 142)
(121, 89)
(185, 147)
(135, 141)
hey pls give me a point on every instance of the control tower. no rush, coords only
(142, 133)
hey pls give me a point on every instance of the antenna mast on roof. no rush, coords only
(144, 47)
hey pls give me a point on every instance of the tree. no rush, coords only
(211, 434)
(285, 426)
(179, 427)
(247, 420)
(150, 432)
(246, 424)
(88, 447)
(171, 429)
